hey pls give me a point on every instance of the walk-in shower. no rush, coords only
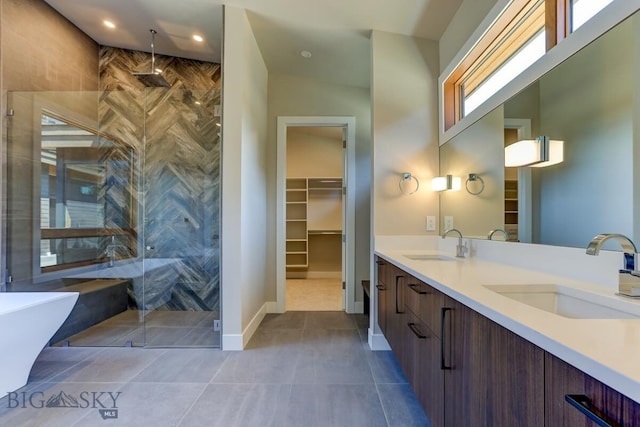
(116, 194)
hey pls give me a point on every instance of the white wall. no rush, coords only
(244, 176)
(297, 96)
(312, 152)
(405, 132)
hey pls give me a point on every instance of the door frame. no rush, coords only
(284, 122)
(525, 192)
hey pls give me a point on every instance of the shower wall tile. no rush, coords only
(42, 50)
(175, 133)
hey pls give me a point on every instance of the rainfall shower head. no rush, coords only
(153, 78)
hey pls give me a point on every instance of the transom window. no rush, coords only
(522, 34)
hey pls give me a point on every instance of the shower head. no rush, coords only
(152, 78)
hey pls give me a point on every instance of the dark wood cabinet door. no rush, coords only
(493, 377)
(600, 400)
(427, 378)
(381, 292)
(396, 319)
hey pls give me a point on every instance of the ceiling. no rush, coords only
(336, 32)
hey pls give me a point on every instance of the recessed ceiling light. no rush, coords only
(305, 54)
(109, 24)
(198, 38)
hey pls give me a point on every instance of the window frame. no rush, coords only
(606, 19)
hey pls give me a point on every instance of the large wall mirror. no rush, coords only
(591, 101)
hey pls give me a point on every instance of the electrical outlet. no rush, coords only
(216, 325)
(431, 223)
(448, 222)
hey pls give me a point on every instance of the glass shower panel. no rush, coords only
(116, 195)
(71, 212)
(180, 205)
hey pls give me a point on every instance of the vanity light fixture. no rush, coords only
(408, 184)
(539, 152)
(447, 182)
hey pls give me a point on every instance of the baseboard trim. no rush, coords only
(377, 342)
(272, 307)
(358, 307)
(237, 342)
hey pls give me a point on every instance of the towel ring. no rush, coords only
(406, 176)
(473, 177)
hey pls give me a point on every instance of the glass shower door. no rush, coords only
(180, 211)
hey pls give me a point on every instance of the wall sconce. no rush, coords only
(539, 152)
(474, 188)
(408, 184)
(447, 182)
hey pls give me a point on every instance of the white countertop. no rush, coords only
(606, 349)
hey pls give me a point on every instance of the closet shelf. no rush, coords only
(320, 232)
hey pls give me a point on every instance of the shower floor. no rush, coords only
(161, 328)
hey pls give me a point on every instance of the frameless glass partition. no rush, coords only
(116, 195)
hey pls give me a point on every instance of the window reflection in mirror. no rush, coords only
(86, 213)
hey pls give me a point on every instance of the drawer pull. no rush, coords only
(583, 404)
(381, 288)
(416, 331)
(397, 296)
(416, 288)
(443, 364)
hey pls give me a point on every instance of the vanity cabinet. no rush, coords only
(597, 399)
(466, 370)
(491, 375)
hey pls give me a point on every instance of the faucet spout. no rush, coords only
(629, 248)
(628, 276)
(498, 230)
(460, 248)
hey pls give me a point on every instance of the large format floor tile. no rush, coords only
(299, 369)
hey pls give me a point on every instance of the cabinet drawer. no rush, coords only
(430, 309)
(414, 292)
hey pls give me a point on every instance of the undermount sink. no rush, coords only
(428, 257)
(569, 302)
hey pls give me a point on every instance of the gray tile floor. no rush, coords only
(299, 369)
(157, 328)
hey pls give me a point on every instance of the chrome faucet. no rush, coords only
(498, 230)
(460, 248)
(628, 276)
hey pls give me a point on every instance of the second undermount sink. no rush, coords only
(428, 257)
(570, 302)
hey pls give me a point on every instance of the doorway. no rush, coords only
(315, 214)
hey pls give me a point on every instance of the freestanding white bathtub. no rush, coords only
(28, 321)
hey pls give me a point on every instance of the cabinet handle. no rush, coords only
(381, 288)
(416, 288)
(443, 312)
(416, 331)
(583, 404)
(397, 288)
